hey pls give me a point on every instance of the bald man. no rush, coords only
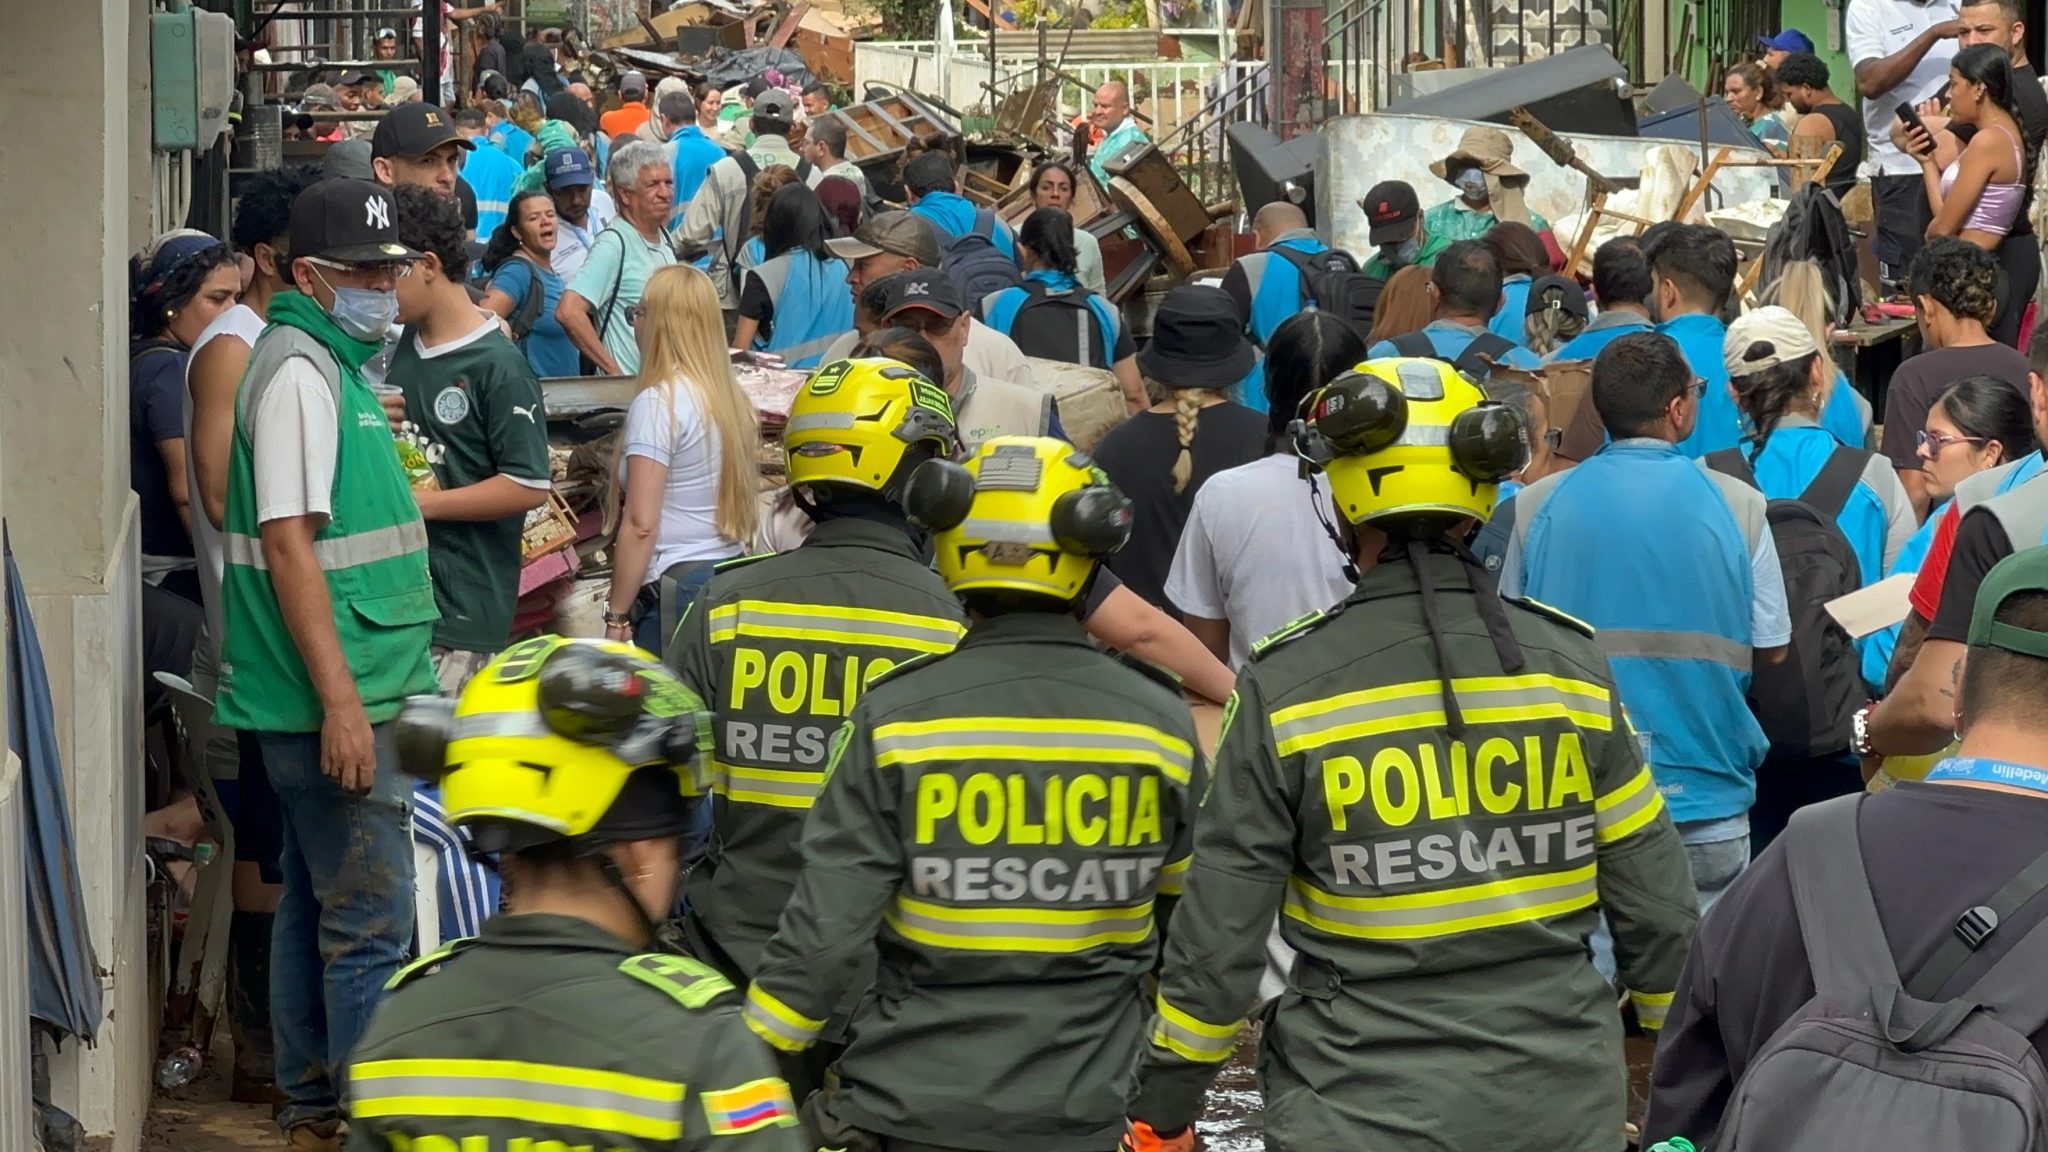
(1116, 124)
(1268, 285)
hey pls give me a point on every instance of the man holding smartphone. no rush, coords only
(1901, 51)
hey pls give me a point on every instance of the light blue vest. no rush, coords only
(1276, 295)
(813, 306)
(1510, 322)
(1644, 544)
(1877, 647)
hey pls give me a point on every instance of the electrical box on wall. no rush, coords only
(191, 78)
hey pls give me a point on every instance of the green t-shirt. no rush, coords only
(474, 408)
(619, 263)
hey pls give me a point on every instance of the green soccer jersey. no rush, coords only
(474, 408)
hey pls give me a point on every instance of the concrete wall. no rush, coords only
(73, 124)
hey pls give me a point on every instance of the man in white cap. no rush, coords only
(1489, 189)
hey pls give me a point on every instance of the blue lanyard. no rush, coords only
(1984, 771)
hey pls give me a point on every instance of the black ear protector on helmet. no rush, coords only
(1092, 521)
(587, 694)
(1358, 414)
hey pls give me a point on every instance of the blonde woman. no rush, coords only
(1802, 289)
(687, 462)
(1161, 457)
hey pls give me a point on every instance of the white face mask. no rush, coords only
(1472, 185)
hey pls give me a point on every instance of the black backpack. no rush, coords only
(1471, 362)
(1806, 703)
(1813, 228)
(1086, 328)
(750, 168)
(1331, 282)
(975, 265)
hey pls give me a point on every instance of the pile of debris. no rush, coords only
(732, 41)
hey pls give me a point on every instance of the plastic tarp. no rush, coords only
(64, 988)
(724, 68)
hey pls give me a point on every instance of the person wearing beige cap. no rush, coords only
(1489, 188)
(1780, 380)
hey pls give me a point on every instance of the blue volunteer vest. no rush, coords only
(1669, 596)
(1277, 293)
(1700, 337)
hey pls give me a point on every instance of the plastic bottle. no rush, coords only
(180, 1068)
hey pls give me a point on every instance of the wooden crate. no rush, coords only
(549, 528)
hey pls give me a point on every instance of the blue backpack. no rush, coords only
(975, 265)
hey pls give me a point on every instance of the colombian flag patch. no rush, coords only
(749, 1107)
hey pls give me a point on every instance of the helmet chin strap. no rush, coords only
(1343, 553)
(1416, 549)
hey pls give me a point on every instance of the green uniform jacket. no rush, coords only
(547, 1028)
(781, 647)
(1439, 892)
(1001, 823)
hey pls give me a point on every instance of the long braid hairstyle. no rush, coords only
(1765, 396)
(1187, 406)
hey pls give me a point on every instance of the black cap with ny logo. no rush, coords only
(347, 221)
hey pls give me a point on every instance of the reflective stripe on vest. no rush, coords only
(1642, 644)
(1057, 741)
(776, 787)
(1173, 876)
(2022, 510)
(828, 624)
(337, 552)
(548, 1094)
(778, 1023)
(1446, 912)
(1651, 1007)
(1621, 813)
(1190, 1036)
(1419, 704)
(1013, 929)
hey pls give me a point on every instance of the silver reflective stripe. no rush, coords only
(1581, 883)
(1644, 644)
(1082, 318)
(1107, 920)
(338, 552)
(1644, 796)
(1006, 532)
(791, 352)
(1430, 702)
(395, 1088)
(511, 724)
(887, 743)
(1211, 1047)
(749, 612)
(811, 421)
(1426, 436)
(770, 1022)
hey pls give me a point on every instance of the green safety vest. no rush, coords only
(373, 551)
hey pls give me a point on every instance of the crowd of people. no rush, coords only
(875, 708)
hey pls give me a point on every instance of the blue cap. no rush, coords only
(1790, 40)
(567, 168)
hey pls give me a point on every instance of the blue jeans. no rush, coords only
(346, 917)
(1717, 850)
(677, 589)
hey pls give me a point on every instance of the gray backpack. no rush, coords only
(1874, 1062)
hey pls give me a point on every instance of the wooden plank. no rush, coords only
(996, 18)
(783, 31)
(664, 30)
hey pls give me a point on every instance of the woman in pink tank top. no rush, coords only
(1978, 196)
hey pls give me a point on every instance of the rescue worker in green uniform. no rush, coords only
(557, 1028)
(1003, 825)
(781, 645)
(1438, 792)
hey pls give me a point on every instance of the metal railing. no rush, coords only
(1171, 92)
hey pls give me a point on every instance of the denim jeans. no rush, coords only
(1717, 851)
(346, 917)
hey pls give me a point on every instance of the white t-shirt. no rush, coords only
(664, 425)
(572, 244)
(994, 356)
(1876, 29)
(242, 323)
(295, 433)
(1254, 554)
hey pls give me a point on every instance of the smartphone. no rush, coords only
(1911, 119)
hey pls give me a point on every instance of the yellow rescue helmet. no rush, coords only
(561, 739)
(855, 421)
(1026, 514)
(1410, 439)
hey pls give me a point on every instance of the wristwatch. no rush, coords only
(622, 619)
(1859, 730)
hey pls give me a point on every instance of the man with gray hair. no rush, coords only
(602, 304)
(825, 147)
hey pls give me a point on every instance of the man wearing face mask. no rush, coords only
(1394, 215)
(1489, 191)
(329, 611)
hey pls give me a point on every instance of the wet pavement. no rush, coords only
(1230, 1119)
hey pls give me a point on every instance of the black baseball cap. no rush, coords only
(1389, 205)
(415, 128)
(354, 77)
(926, 288)
(347, 221)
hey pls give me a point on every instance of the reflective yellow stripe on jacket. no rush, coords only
(1173, 876)
(1625, 810)
(1419, 704)
(1010, 929)
(1421, 915)
(550, 1094)
(1190, 1036)
(778, 1023)
(1651, 1007)
(775, 787)
(1061, 741)
(831, 624)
